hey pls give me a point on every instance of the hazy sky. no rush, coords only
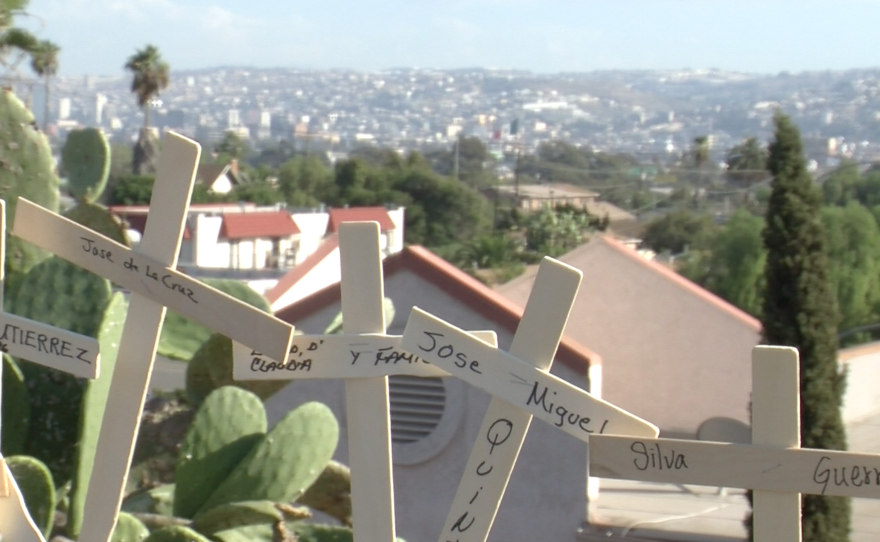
(97, 36)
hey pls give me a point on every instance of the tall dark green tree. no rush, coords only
(800, 310)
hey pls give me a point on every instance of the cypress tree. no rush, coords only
(800, 310)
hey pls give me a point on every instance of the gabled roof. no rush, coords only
(689, 287)
(360, 214)
(456, 283)
(301, 270)
(259, 224)
(208, 173)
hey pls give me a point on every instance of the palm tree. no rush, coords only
(44, 62)
(150, 77)
(13, 39)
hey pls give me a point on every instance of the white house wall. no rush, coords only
(313, 228)
(396, 236)
(861, 398)
(210, 251)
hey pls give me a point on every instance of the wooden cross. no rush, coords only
(148, 272)
(50, 346)
(774, 465)
(508, 377)
(365, 357)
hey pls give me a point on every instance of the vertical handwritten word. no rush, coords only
(565, 416)
(497, 435)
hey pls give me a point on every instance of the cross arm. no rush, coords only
(146, 276)
(543, 395)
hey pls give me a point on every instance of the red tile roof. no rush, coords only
(138, 222)
(455, 282)
(260, 224)
(360, 214)
(301, 270)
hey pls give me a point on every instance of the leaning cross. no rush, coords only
(774, 465)
(148, 272)
(50, 346)
(514, 379)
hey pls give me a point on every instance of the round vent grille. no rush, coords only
(416, 407)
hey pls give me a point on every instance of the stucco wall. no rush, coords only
(861, 399)
(669, 355)
(546, 498)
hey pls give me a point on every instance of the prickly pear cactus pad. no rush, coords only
(35, 483)
(86, 160)
(26, 169)
(211, 368)
(226, 428)
(129, 529)
(99, 219)
(175, 534)
(16, 408)
(286, 461)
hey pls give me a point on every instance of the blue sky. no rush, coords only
(766, 36)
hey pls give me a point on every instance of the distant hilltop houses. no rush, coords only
(644, 113)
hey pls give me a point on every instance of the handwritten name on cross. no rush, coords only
(521, 387)
(774, 465)
(148, 272)
(505, 426)
(50, 346)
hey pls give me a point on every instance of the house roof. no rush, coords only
(456, 283)
(294, 275)
(360, 214)
(138, 222)
(261, 224)
(689, 287)
(208, 173)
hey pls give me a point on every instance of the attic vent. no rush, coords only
(416, 407)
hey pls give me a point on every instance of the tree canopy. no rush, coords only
(150, 75)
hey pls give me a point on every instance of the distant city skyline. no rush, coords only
(757, 36)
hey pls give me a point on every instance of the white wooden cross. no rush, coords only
(521, 387)
(362, 354)
(148, 272)
(50, 346)
(774, 465)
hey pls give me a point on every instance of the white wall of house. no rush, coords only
(223, 185)
(210, 250)
(395, 237)
(313, 227)
(862, 365)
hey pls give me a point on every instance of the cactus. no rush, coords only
(286, 461)
(230, 516)
(35, 482)
(16, 408)
(182, 337)
(211, 368)
(331, 493)
(159, 500)
(226, 428)
(129, 529)
(66, 296)
(175, 534)
(26, 169)
(94, 399)
(301, 532)
(99, 219)
(86, 159)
